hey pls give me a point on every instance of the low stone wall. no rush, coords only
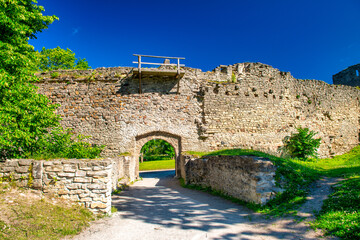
(244, 177)
(89, 182)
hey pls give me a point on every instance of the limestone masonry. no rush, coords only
(89, 182)
(244, 177)
(245, 105)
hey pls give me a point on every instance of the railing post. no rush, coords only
(178, 66)
(139, 66)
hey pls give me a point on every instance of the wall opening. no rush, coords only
(357, 72)
(157, 154)
(172, 139)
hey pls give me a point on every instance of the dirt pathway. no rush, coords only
(159, 208)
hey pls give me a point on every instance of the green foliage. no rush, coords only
(58, 58)
(233, 78)
(340, 214)
(54, 74)
(25, 116)
(157, 147)
(60, 143)
(301, 144)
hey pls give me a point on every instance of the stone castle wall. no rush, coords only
(257, 110)
(244, 177)
(350, 76)
(89, 182)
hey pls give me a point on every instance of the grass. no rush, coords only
(340, 214)
(295, 176)
(157, 164)
(26, 214)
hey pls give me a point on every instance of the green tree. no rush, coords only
(58, 58)
(26, 117)
(302, 144)
(157, 147)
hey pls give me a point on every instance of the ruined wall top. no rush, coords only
(350, 76)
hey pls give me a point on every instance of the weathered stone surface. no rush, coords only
(80, 173)
(97, 173)
(64, 178)
(55, 168)
(98, 205)
(66, 174)
(210, 112)
(82, 180)
(245, 177)
(12, 163)
(24, 162)
(23, 169)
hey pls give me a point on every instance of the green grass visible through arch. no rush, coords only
(157, 165)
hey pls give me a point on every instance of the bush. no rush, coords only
(62, 144)
(301, 144)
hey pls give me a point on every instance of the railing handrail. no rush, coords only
(157, 56)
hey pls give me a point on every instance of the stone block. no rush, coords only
(47, 163)
(85, 199)
(12, 163)
(82, 180)
(37, 170)
(23, 169)
(66, 174)
(84, 195)
(97, 173)
(54, 168)
(63, 192)
(37, 184)
(74, 186)
(80, 173)
(96, 186)
(76, 192)
(69, 168)
(97, 205)
(25, 162)
(8, 169)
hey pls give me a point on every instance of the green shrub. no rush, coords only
(62, 144)
(54, 74)
(301, 144)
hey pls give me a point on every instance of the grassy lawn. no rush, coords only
(27, 214)
(157, 164)
(340, 215)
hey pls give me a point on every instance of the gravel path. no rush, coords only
(159, 208)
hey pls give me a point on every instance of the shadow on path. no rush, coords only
(159, 208)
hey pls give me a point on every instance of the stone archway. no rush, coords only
(174, 140)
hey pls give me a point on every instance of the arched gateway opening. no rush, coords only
(172, 139)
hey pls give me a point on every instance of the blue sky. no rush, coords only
(312, 39)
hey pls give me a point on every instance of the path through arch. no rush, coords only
(174, 140)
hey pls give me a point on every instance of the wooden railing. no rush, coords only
(177, 64)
